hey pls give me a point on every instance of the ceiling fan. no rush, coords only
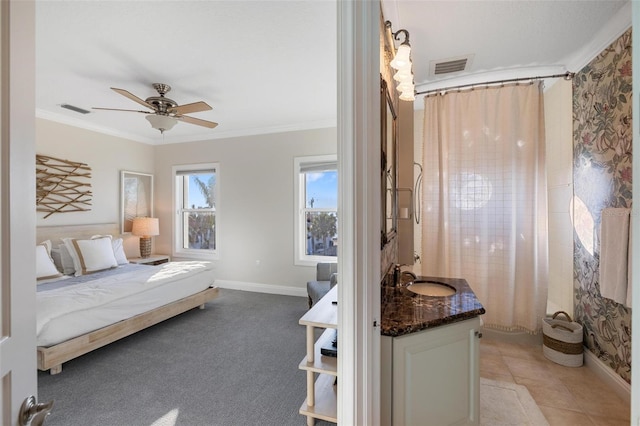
(165, 112)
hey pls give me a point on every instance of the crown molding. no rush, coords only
(74, 122)
(251, 132)
(607, 34)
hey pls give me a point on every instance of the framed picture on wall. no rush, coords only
(136, 198)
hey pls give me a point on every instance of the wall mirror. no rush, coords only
(389, 156)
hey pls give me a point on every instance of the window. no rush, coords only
(316, 218)
(197, 219)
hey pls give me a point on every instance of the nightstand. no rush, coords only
(154, 259)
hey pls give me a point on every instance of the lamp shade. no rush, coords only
(403, 56)
(145, 226)
(405, 87)
(161, 122)
(404, 74)
(407, 96)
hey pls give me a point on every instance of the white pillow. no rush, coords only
(57, 259)
(45, 268)
(118, 249)
(91, 255)
(66, 260)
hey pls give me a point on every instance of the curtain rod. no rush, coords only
(567, 76)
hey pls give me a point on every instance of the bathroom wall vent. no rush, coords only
(450, 65)
(75, 108)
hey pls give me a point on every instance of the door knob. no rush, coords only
(32, 413)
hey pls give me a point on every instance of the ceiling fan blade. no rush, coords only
(189, 108)
(133, 97)
(126, 110)
(196, 121)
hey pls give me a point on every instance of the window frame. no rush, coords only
(178, 200)
(300, 209)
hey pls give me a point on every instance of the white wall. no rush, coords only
(256, 194)
(106, 155)
(558, 118)
(255, 204)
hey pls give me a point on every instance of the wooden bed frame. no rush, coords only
(51, 358)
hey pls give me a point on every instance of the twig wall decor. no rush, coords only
(62, 186)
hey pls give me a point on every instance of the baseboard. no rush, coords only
(262, 288)
(604, 372)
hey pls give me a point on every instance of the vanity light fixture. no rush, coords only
(402, 64)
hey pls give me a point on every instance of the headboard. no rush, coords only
(54, 233)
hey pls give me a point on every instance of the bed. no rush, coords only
(102, 301)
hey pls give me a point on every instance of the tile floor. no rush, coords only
(567, 396)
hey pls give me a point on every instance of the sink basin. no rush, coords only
(431, 288)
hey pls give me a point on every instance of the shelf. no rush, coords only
(322, 363)
(322, 373)
(326, 407)
(324, 313)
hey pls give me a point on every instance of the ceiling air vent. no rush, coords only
(450, 65)
(75, 108)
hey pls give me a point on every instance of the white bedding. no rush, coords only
(73, 310)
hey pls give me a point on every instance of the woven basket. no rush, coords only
(562, 340)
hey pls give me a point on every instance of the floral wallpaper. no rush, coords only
(602, 178)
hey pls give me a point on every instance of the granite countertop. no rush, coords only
(405, 312)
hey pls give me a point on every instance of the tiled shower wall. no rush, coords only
(602, 178)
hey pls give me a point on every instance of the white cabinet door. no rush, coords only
(17, 208)
(436, 378)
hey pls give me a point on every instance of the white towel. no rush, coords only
(614, 254)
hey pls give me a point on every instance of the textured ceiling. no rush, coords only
(263, 66)
(506, 38)
(267, 66)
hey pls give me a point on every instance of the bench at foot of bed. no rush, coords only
(51, 358)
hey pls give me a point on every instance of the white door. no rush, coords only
(17, 208)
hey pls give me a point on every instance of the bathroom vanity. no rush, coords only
(430, 356)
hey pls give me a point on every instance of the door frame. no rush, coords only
(359, 204)
(17, 206)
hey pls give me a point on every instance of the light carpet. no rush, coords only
(503, 403)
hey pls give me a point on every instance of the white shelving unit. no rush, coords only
(322, 371)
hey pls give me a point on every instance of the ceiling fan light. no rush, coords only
(161, 122)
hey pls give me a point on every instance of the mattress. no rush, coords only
(73, 306)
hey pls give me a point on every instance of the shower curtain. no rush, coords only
(485, 199)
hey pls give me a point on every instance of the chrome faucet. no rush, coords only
(399, 274)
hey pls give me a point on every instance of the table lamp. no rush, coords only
(145, 228)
